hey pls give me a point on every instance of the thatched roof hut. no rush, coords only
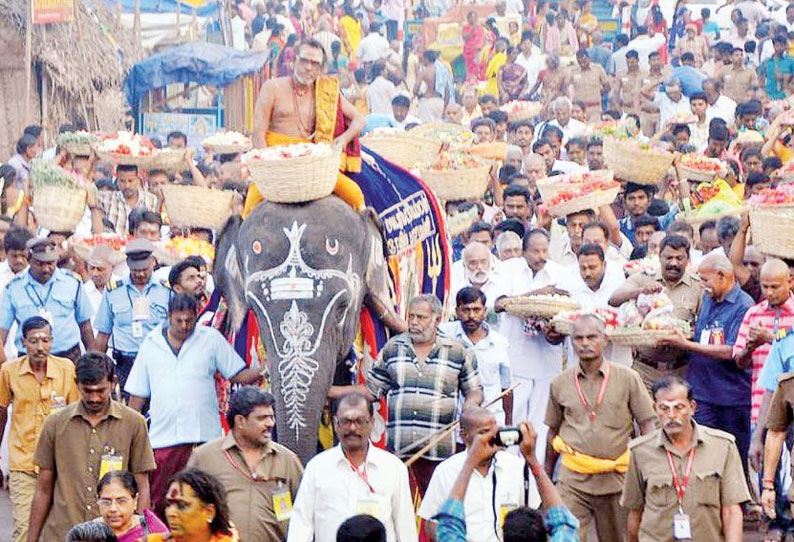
(79, 69)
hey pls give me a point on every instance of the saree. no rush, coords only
(149, 522)
(471, 51)
(492, 71)
(351, 34)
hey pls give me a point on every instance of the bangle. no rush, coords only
(766, 488)
(767, 481)
(535, 469)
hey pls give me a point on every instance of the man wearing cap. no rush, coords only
(131, 308)
(55, 294)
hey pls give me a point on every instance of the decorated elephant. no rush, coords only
(305, 270)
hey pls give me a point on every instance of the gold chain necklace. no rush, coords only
(304, 130)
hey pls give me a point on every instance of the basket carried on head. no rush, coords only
(697, 175)
(593, 200)
(638, 336)
(124, 159)
(58, 208)
(197, 206)
(168, 160)
(551, 186)
(295, 180)
(403, 150)
(539, 306)
(78, 149)
(458, 184)
(227, 149)
(772, 228)
(630, 163)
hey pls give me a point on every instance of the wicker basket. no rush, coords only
(528, 306)
(434, 129)
(551, 186)
(631, 164)
(168, 160)
(638, 337)
(58, 208)
(197, 206)
(78, 149)
(227, 149)
(459, 184)
(562, 325)
(697, 175)
(403, 150)
(593, 200)
(772, 228)
(295, 180)
(124, 159)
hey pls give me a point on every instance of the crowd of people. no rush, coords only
(129, 415)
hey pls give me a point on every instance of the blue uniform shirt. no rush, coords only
(115, 313)
(780, 360)
(717, 381)
(62, 300)
(627, 226)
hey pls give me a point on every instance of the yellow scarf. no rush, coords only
(576, 461)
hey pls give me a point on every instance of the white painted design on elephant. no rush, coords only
(294, 280)
(332, 247)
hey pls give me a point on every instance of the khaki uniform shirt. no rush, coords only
(32, 402)
(648, 80)
(250, 494)
(630, 85)
(626, 399)
(736, 83)
(781, 415)
(717, 480)
(587, 83)
(685, 296)
(73, 449)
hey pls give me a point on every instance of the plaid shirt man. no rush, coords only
(421, 396)
(773, 319)
(117, 210)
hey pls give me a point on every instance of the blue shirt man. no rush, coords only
(54, 294)
(775, 70)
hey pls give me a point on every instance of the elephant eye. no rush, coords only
(332, 246)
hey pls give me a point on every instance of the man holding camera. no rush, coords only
(591, 415)
(499, 483)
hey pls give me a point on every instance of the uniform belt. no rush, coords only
(662, 365)
(127, 355)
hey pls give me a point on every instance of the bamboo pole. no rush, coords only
(442, 433)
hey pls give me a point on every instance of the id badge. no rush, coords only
(681, 527)
(140, 309)
(717, 336)
(282, 503)
(47, 315)
(110, 463)
(137, 329)
(504, 510)
(705, 336)
(368, 507)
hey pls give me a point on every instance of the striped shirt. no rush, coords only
(773, 319)
(421, 396)
(117, 210)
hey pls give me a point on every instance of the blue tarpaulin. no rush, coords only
(197, 62)
(204, 8)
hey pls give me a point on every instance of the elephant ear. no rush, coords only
(228, 271)
(377, 277)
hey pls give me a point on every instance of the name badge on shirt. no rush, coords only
(47, 315)
(681, 527)
(110, 463)
(368, 507)
(140, 309)
(504, 510)
(282, 503)
(137, 329)
(705, 336)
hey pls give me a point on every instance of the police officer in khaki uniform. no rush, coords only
(591, 413)
(685, 481)
(588, 82)
(629, 83)
(649, 113)
(779, 419)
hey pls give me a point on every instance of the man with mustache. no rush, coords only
(685, 480)
(421, 374)
(479, 272)
(676, 282)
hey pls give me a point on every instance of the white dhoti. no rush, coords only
(431, 109)
(530, 401)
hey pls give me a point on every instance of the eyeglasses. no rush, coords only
(106, 503)
(347, 422)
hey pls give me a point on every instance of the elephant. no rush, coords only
(305, 270)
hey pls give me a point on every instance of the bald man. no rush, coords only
(720, 385)
(534, 169)
(478, 271)
(499, 483)
(508, 245)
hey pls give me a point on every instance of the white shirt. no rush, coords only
(479, 502)
(533, 64)
(645, 45)
(372, 47)
(94, 297)
(6, 274)
(574, 128)
(409, 119)
(724, 108)
(515, 7)
(668, 108)
(238, 33)
(331, 492)
(379, 96)
(619, 60)
(567, 167)
(493, 363)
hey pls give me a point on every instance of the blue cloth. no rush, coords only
(181, 387)
(717, 381)
(62, 298)
(375, 120)
(560, 523)
(731, 419)
(627, 226)
(780, 360)
(712, 28)
(114, 316)
(196, 62)
(444, 83)
(783, 64)
(691, 79)
(600, 55)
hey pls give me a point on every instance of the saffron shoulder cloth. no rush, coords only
(329, 123)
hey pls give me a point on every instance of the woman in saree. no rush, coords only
(512, 79)
(473, 43)
(118, 499)
(498, 60)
